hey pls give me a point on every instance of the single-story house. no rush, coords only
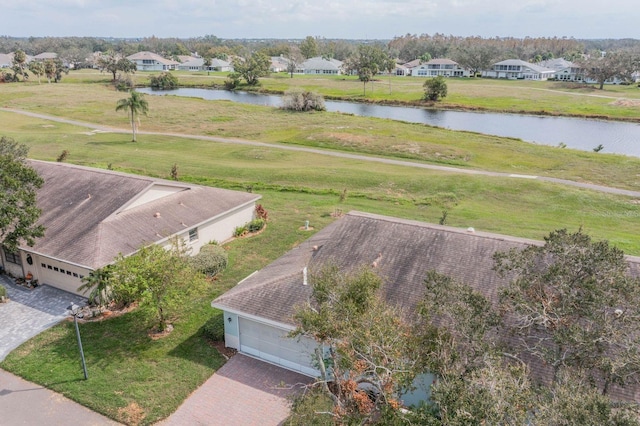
(439, 67)
(279, 64)
(93, 215)
(513, 69)
(197, 64)
(149, 61)
(259, 310)
(320, 65)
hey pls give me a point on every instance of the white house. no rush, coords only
(258, 311)
(149, 61)
(320, 65)
(513, 69)
(197, 64)
(92, 215)
(6, 60)
(439, 67)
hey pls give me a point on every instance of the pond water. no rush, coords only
(615, 137)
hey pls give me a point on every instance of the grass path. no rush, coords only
(403, 163)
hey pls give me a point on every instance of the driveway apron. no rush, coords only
(244, 392)
(30, 312)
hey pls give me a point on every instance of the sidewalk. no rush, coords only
(25, 403)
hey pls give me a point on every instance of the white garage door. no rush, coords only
(272, 344)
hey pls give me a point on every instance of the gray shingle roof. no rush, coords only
(403, 250)
(534, 67)
(87, 223)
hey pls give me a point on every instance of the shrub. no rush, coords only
(261, 212)
(164, 81)
(435, 88)
(3, 292)
(240, 231)
(298, 100)
(232, 81)
(63, 156)
(255, 225)
(214, 327)
(124, 83)
(211, 260)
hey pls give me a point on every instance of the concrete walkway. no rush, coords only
(244, 392)
(25, 403)
(29, 312)
(359, 157)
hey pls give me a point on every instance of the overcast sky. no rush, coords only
(351, 19)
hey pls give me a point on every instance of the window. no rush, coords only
(44, 265)
(75, 275)
(49, 267)
(193, 234)
(62, 271)
(68, 272)
(11, 257)
(55, 268)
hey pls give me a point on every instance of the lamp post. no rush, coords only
(75, 311)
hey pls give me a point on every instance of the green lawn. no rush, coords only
(135, 378)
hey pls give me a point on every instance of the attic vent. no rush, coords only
(183, 224)
(88, 196)
(156, 214)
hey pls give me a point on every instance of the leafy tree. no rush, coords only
(135, 104)
(475, 55)
(617, 64)
(367, 62)
(309, 47)
(18, 190)
(254, 67)
(294, 59)
(164, 81)
(573, 305)
(20, 65)
(435, 88)
(207, 63)
(367, 354)
(113, 63)
(37, 69)
(161, 279)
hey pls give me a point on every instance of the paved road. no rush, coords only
(402, 163)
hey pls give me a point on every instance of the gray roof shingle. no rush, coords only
(87, 222)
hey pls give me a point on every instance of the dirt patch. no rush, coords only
(156, 334)
(626, 103)
(224, 351)
(349, 139)
(132, 414)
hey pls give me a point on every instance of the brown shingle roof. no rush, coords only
(86, 223)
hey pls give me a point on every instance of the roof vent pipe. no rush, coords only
(304, 276)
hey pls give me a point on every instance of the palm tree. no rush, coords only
(135, 104)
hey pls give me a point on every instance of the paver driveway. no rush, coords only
(244, 392)
(29, 312)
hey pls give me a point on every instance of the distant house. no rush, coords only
(439, 67)
(320, 65)
(516, 69)
(45, 55)
(6, 60)
(149, 61)
(279, 64)
(197, 64)
(259, 310)
(92, 215)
